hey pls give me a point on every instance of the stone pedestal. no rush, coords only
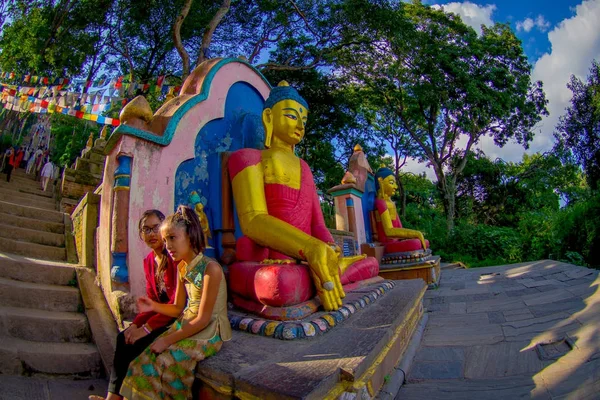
(354, 358)
(428, 270)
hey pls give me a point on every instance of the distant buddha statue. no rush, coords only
(390, 232)
(286, 252)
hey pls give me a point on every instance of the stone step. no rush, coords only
(36, 271)
(31, 223)
(32, 235)
(28, 200)
(33, 188)
(33, 250)
(31, 212)
(27, 193)
(39, 296)
(18, 356)
(22, 179)
(43, 325)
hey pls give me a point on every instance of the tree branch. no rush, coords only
(304, 18)
(214, 22)
(185, 57)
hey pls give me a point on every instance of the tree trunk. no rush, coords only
(449, 201)
(185, 57)
(402, 195)
(210, 29)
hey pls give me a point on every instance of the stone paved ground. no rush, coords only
(484, 326)
(51, 388)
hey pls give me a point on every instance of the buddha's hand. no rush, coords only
(323, 263)
(419, 235)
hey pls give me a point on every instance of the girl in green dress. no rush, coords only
(165, 370)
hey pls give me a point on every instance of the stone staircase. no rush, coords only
(43, 328)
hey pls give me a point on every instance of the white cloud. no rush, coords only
(528, 24)
(418, 168)
(471, 14)
(575, 42)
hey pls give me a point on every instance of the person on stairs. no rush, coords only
(13, 161)
(166, 370)
(47, 174)
(161, 282)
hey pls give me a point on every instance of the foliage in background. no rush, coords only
(578, 131)
(446, 84)
(70, 137)
(509, 212)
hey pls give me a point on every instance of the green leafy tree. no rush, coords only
(69, 136)
(448, 86)
(578, 131)
(52, 38)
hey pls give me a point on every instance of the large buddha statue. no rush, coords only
(286, 253)
(390, 232)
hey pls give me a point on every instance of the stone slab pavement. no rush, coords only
(51, 388)
(529, 330)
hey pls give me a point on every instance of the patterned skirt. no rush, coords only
(170, 374)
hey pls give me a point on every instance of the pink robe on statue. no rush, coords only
(393, 245)
(284, 285)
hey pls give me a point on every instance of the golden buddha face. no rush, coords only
(288, 120)
(388, 186)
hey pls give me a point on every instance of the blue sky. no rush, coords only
(560, 38)
(530, 19)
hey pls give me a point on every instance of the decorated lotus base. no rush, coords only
(355, 357)
(317, 323)
(427, 269)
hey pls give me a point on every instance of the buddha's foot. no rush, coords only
(277, 261)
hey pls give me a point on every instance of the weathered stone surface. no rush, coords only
(486, 389)
(500, 304)
(441, 354)
(547, 297)
(435, 370)
(496, 317)
(269, 368)
(555, 306)
(36, 271)
(21, 388)
(458, 308)
(501, 359)
(26, 388)
(441, 320)
(523, 314)
(39, 295)
(463, 335)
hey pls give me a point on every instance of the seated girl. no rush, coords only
(161, 281)
(166, 369)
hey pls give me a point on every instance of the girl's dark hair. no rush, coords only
(162, 267)
(186, 218)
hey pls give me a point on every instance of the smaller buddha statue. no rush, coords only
(199, 209)
(391, 234)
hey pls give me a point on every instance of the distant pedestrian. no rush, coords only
(19, 157)
(27, 157)
(10, 161)
(31, 163)
(47, 174)
(39, 163)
